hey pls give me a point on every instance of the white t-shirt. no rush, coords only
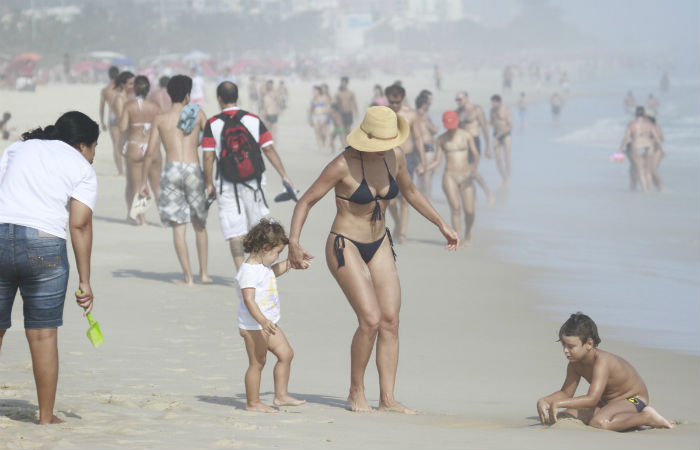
(263, 280)
(37, 180)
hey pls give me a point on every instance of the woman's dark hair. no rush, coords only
(581, 326)
(178, 88)
(266, 235)
(113, 72)
(73, 128)
(122, 78)
(141, 86)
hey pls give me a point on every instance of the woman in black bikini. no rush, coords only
(359, 250)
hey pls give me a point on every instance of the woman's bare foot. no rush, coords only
(260, 407)
(287, 400)
(358, 403)
(204, 279)
(54, 421)
(397, 408)
(656, 420)
(185, 282)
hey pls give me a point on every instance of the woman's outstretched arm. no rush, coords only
(331, 175)
(420, 203)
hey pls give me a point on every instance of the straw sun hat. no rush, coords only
(380, 130)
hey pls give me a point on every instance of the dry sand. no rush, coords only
(475, 354)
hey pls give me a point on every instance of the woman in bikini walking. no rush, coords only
(135, 123)
(359, 250)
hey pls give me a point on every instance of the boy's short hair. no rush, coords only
(141, 86)
(227, 92)
(496, 98)
(581, 326)
(178, 87)
(163, 81)
(395, 91)
(639, 111)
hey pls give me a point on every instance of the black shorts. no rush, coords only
(272, 118)
(412, 161)
(477, 144)
(347, 119)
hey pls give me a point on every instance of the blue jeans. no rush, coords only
(37, 264)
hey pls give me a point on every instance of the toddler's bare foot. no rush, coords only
(358, 403)
(396, 407)
(260, 407)
(205, 279)
(54, 421)
(287, 400)
(656, 419)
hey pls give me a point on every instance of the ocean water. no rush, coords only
(629, 260)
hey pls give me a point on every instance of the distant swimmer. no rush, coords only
(654, 158)
(522, 110)
(556, 102)
(473, 120)
(282, 95)
(502, 123)
(665, 83)
(270, 106)
(107, 95)
(319, 115)
(345, 98)
(437, 77)
(378, 98)
(428, 131)
(461, 160)
(630, 103)
(653, 104)
(124, 88)
(135, 121)
(413, 151)
(617, 397)
(508, 78)
(253, 97)
(640, 139)
(197, 86)
(182, 196)
(160, 96)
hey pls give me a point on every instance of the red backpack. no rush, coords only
(241, 159)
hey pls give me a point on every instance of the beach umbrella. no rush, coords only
(196, 56)
(123, 62)
(26, 57)
(105, 55)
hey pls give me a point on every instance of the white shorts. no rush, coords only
(233, 223)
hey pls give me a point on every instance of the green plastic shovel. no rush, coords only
(93, 333)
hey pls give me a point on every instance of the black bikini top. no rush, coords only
(363, 194)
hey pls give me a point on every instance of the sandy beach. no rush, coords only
(477, 348)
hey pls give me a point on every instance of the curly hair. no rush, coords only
(266, 235)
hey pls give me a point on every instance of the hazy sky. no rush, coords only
(655, 24)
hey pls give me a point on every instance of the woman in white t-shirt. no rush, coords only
(46, 182)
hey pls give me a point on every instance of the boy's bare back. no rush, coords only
(618, 378)
(179, 147)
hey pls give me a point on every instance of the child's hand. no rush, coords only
(269, 328)
(553, 408)
(543, 410)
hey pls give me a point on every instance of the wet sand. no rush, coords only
(476, 352)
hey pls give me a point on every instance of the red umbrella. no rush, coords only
(27, 57)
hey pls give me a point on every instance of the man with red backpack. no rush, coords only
(237, 139)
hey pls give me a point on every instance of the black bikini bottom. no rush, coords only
(367, 250)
